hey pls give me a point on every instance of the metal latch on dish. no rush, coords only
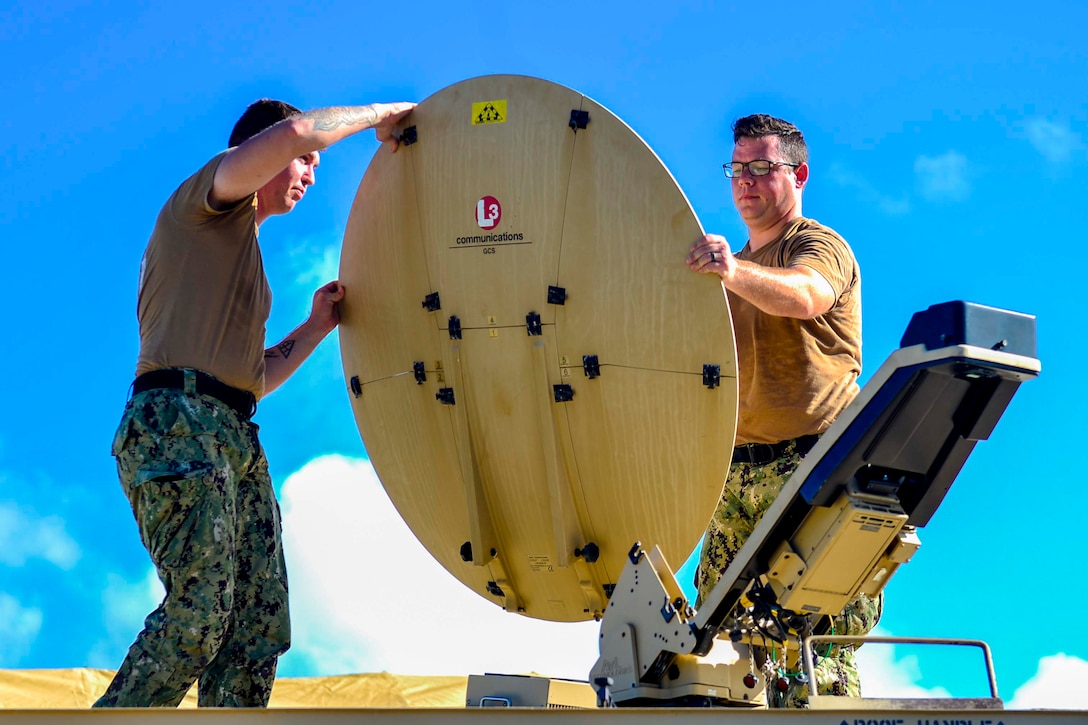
(591, 366)
(431, 302)
(712, 376)
(532, 324)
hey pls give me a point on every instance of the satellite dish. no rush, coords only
(539, 379)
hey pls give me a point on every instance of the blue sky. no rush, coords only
(948, 143)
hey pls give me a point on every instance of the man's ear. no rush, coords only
(801, 174)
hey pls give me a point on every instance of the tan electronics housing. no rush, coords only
(843, 523)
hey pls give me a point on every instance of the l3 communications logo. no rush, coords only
(488, 212)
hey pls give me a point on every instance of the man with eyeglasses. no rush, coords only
(187, 451)
(795, 296)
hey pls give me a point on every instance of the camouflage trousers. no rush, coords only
(197, 479)
(749, 492)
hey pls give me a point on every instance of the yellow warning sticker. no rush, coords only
(488, 112)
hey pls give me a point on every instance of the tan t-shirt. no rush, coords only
(204, 298)
(796, 375)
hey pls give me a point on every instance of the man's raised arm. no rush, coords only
(257, 161)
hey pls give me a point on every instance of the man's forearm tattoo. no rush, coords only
(329, 119)
(284, 349)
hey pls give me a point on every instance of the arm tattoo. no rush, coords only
(284, 348)
(329, 119)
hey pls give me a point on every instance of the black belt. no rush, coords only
(242, 401)
(761, 453)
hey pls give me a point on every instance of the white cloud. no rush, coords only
(24, 535)
(366, 596)
(295, 273)
(1055, 142)
(944, 177)
(314, 264)
(125, 605)
(884, 675)
(866, 192)
(1056, 685)
(19, 627)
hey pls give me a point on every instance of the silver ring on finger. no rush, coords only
(713, 258)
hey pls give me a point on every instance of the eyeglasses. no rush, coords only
(759, 167)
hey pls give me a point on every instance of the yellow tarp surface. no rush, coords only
(79, 688)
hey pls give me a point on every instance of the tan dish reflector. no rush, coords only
(539, 379)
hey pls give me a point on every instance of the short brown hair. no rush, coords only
(260, 114)
(791, 142)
